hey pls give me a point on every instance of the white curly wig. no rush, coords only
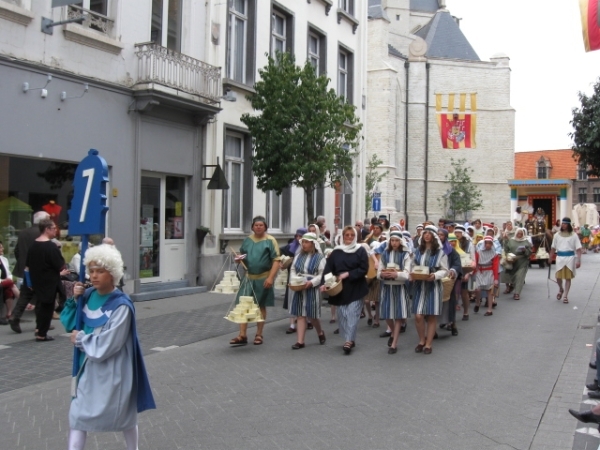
(107, 257)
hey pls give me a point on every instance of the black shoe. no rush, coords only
(14, 325)
(391, 351)
(309, 326)
(290, 330)
(435, 336)
(385, 334)
(465, 317)
(3, 322)
(337, 331)
(403, 328)
(585, 417)
(442, 326)
(593, 365)
(476, 308)
(594, 394)
(454, 331)
(390, 340)
(593, 386)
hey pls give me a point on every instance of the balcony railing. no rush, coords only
(93, 20)
(157, 64)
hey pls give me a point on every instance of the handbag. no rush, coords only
(541, 251)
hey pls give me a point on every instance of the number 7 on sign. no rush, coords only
(88, 187)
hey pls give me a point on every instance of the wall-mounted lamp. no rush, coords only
(218, 180)
(48, 25)
(63, 94)
(229, 96)
(44, 92)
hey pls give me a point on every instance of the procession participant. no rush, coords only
(417, 236)
(291, 250)
(260, 255)
(458, 286)
(394, 304)
(427, 294)
(519, 246)
(486, 273)
(377, 230)
(517, 217)
(585, 237)
(468, 285)
(595, 246)
(349, 263)
(309, 263)
(111, 385)
(455, 273)
(567, 247)
(322, 232)
(408, 241)
(477, 227)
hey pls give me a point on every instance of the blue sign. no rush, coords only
(376, 204)
(88, 207)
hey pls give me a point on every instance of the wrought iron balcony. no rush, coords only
(157, 64)
(93, 20)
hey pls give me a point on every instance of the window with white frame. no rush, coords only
(543, 168)
(345, 74)
(317, 51)
(279, 33)
(96, 12)
(274, 211)
(347, 6)
(234, 172)
(165, 27)
(237, 38)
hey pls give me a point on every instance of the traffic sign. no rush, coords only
(376, 194)
(376, 207)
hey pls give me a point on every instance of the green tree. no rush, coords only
(372, 177)
(586, 131)
(304, 134)
(462, 196)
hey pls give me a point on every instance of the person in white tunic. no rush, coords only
(567, 247)
(110, 384)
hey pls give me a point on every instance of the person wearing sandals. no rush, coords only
(349, 263)
(455, 273)
(567, 247)
(427, 294)
(259, 254)
(291, 250)
(394, 296)
(520, 247)
(308, 263)
(486, 272)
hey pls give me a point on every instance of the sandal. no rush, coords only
(258, 339)
(516, 297)
(370, 322)
(488, 313)
(347, 348)
(376, 325)
(565, 300)
(238, 341)
(44, 339)
(509, 288)
(297, 346)
(322, 338)
(559, 295)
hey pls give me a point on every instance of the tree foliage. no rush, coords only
(372, 177)
(586, 131)
(462, 196)
(304, 134)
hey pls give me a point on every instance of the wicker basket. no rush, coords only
(335, 289)
(296, 287)
(448, 285)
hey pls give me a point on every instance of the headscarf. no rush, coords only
(524, 238)
(312, 237)
(295, 245)
(452, 238)
(433, 229)
(446, 245)
(351, 248)
(399, 235)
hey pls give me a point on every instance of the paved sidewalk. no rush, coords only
(505, 382)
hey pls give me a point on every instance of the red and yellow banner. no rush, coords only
(457, 128)
(590, 24)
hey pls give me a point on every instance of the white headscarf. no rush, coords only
(524, 238)
(312, 237)
(351, 248)
(433, 229)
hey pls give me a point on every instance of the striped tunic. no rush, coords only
(427, 295)
(487, 268)
(394, 296)
(307, 303)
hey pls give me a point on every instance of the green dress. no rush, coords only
(516, 275)
(260, 254)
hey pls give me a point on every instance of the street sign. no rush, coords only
(376, 207)
(376, 194)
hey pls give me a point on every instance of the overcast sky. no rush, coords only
(549, 64)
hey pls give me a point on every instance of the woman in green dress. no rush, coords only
(519, 246)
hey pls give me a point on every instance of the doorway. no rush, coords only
(548, 206)
(162, 246)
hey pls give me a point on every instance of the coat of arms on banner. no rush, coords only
(457, 128)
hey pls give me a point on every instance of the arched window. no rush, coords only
(543, 168)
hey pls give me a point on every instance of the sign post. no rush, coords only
(376, 202)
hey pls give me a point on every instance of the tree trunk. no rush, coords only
(310, 207)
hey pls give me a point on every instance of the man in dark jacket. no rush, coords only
(26, 238)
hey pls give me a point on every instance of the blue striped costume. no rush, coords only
(427, 295)
(307, 303)
(394, 297)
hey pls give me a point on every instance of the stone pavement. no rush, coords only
(505, 382)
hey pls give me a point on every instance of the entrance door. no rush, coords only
(162, 228)
(546, 205)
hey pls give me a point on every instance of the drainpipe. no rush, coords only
(406, 67)
(427, 65)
